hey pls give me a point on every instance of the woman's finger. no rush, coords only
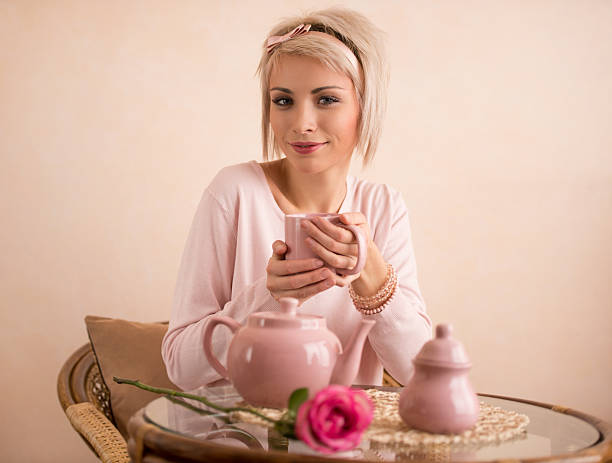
(279, 248)
(358, 219)
(282, 267)
(339, 261)
(354, 218)
(327, 241)
(337, 233)
(306, 292)
(344, 281)
(300, 280)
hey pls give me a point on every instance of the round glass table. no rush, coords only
(182, 430)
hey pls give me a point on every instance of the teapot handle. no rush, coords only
(210, 326)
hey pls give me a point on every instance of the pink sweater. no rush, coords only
(223, 270)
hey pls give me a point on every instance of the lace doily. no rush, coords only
(494, 425)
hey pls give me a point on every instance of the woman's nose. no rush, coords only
(305, 119)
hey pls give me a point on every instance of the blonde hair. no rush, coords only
(366, 42)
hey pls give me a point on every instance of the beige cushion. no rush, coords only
(129, 350)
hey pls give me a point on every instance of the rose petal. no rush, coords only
(323, 419)
(346, 442)
(320, 411)
(335, 424)
(330, 391)
(363, 411)
(302, 429)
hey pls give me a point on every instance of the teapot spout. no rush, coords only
(347, 363)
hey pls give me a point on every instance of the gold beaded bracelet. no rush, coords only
(370, 305)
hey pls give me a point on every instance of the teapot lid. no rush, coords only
(286, 318)
(443, 350)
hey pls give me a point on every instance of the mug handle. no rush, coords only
(210, 326)
(362, 253)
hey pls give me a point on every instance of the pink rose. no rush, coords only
(334, 419)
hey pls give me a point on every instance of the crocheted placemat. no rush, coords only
(494, 425)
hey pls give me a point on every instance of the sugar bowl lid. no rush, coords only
(286, 318)
(443, 350)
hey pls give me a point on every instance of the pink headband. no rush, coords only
(274, 41)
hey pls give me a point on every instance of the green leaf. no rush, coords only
(297, 398)
(286, 426)
(285, 429)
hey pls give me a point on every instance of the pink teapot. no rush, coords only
(439, 397)
(278, 352)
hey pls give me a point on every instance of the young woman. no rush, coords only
(323, 80)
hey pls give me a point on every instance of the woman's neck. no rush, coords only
(299, 192)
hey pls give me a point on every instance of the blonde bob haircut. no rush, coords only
(364, 39)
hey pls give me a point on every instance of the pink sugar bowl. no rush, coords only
(439, 397)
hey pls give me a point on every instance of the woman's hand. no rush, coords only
(336, 245)
(299, 278)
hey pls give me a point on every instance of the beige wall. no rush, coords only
(115, 115)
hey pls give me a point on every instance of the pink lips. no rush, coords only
(306, 147)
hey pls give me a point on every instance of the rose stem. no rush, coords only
(204, 400)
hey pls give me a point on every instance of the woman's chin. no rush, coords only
(313, 165)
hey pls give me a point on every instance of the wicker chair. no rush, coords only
(86, 402)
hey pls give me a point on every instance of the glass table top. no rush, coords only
(548, 433)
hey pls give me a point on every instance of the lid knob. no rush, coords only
(443, 350)
(444, 330)
(288, 305)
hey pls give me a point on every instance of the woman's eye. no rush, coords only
(281, 101)
(328, 100)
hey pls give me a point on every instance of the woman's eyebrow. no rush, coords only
(320, 89)
(316, 90)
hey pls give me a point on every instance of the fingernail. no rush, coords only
(318, 263)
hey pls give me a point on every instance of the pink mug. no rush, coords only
(295, 239)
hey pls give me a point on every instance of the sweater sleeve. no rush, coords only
(204, 288)
(403, 326)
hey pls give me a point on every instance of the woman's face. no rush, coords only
(314, 113)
